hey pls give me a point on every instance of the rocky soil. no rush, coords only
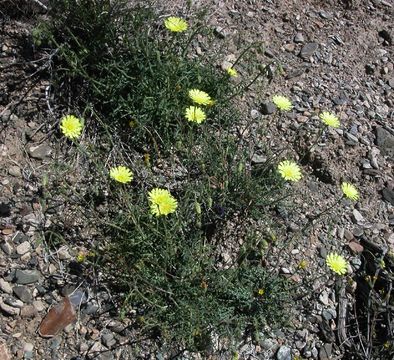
(336, 56)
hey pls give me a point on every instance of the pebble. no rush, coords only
(108, 339)
(5, 286)
(29, 311)
(357, 217)
(6, 247)
(15, 171)
(308, 50)
(25, 277)
(323, 298)
(284, 353)
(385, 141)
(23, 248)
(299, 38)
(10, 310)
(268, 108)
(63, 253)
(356, 247)
(39, 152)
(325, 352)
(13, 302)
(23, 293)
(39, 305)
(348, 235)
(388, 195)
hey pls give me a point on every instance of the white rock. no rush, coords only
(23, 248)
(5, 286)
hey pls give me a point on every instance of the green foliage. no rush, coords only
(121, 65)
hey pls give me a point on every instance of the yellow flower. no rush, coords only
(337, 263)
(81, 257)
(303, 264)
(232, 72)
(175, 24)
(329, 119)
(282, 103)
(121, 174)
(200, 97)
(195, 114)
(71, 126)
(289, 170)
(161, 202)
(261, 292)
(350, 191)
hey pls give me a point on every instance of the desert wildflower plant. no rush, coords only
(195, 114)
(71, 126)
(162, 202)
(337, 263)
(282, 103)
(289, 170)
(329, 119)
(350, 191)
(175, 24)
(121, 174)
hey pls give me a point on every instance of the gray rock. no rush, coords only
(23, 248)
(258, 159)
(284, 353)
(15, 171)
(388, 195)
(10, 310)
(308, 50)
(357, 217)
(23, 293)
(269, 344)
(40, 152)
(6, 247)
(13, 302)
(25, 277)
(325, 352)
(108, 340)
(323, 297)
(299, 38)
(351, 137)
(5, 286)
(385, 141)
(268, 108)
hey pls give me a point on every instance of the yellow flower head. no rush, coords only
(200, 97)
(350, 191)
(175, 24)
(261, 292)
(232, 72)
(282, 103)
(289, 170)
(121, 174)
(71, 126)
(329, 119)
(337, 263)
(161, 202)
(195, 114)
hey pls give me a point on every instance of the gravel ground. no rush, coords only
(336, 56)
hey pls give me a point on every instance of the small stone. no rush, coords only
(40, 152)
(356, 247)
(23, 248)
(348, 235)
(5, 286)
(255, 114)
(308, 50)
(351, 137)
(284, 353)
(63, 253)
(10, 310)
(325, 352)
(25, 277)
(385, 141)
(358, 231)
(323, 298)
(258, 159)
(269, 344)
(388, 195)
(23, 293)
(29, 311)
(268, 108)
(13, 302)
(39, 305)
(108, 339)
(5, 209)
(357, 217)
(28, 347)
(4, 353)
(299, 38)
(15, 171)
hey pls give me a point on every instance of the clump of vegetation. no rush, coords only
(178, 202)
